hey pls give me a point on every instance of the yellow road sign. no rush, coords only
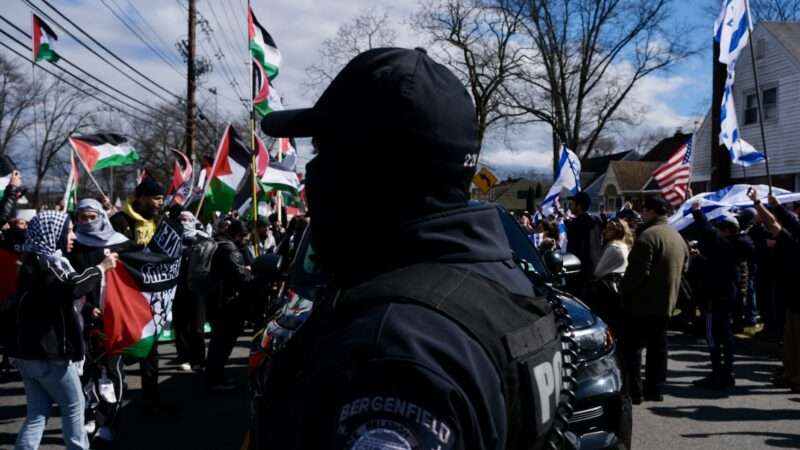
(484, 179)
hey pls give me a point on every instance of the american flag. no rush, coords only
(673, 176)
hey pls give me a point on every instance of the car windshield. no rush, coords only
(521, 246)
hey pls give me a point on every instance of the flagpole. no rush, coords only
(758, 96)
(254, 150)
(207, 181)
(86, 168)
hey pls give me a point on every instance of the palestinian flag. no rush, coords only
(262, 160)
(71, 193)
(277, 178)
(8, 273)
(266, 61)
(137, 300)
(43, 38)
(231, 166)
(100, 151)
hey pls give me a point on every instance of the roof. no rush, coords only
(593, 168)
(788, 33)
(633, 175)
(662, 151)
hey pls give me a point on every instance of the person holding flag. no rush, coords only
(138, 221)
(103, 373)
(49, 341)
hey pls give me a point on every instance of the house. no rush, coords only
(512, 193)
(630, 179)
(777, 54)
(593, 172)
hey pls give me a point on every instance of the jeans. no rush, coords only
(48, 381)
(720, 343)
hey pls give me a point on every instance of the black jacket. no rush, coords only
(398, 372)
(585, 240)
(724, 256)
(48, 326)
(786, 251)
(84, 257)
(229, 274)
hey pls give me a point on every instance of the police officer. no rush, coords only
(430, 336)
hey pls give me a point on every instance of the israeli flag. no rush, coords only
(742, 153)
(568, 177)
(732, 29)
(726, 201)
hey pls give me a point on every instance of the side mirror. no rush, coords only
(268, 267)
(572, 265)
(554, 262)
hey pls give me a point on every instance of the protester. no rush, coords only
(373, 337)
(138, 220)
(188, 308)
(604, 296)
(584, 240)
(95, 237)
(725, 250)
(226, 305)
(650, 289)
(49, 329)
(784, 227)
(11, 194)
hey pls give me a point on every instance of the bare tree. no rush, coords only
(371, 29)
(59, 112)
(478, 40)
(588, 56)
(15, 104)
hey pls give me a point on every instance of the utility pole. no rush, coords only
(191, 80)
(720, 158)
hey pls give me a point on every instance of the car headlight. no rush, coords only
(594, 341)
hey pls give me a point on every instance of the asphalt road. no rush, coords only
(755, 415)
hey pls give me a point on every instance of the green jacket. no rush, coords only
(656, 264)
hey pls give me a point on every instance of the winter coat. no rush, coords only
(656, 264)
(48, 320)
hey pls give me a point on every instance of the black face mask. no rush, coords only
(325, 205)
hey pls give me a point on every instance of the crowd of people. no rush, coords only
(712, 280)
(55, 338)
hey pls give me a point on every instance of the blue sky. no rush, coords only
(675, 99)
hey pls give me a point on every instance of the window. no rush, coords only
(761, 49)
(751, 109)
(769, 98)
(522, 195)
(770, 101)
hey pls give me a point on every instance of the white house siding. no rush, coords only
(779, 67)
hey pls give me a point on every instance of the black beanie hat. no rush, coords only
(149, 188)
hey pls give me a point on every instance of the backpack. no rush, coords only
(200, 258)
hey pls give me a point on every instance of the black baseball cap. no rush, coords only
(397, 95)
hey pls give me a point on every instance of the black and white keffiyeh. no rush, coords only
(46, 237)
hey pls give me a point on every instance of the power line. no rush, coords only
(225, 36)
(98, 43)
(220, 54)
(157, 52)
(147, 23)
(77, 88)
(94, 52)
(25, 46)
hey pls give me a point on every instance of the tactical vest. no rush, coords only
(518, 333)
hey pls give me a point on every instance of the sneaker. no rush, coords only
(90, 427)
(186, 367)
(198, 368)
